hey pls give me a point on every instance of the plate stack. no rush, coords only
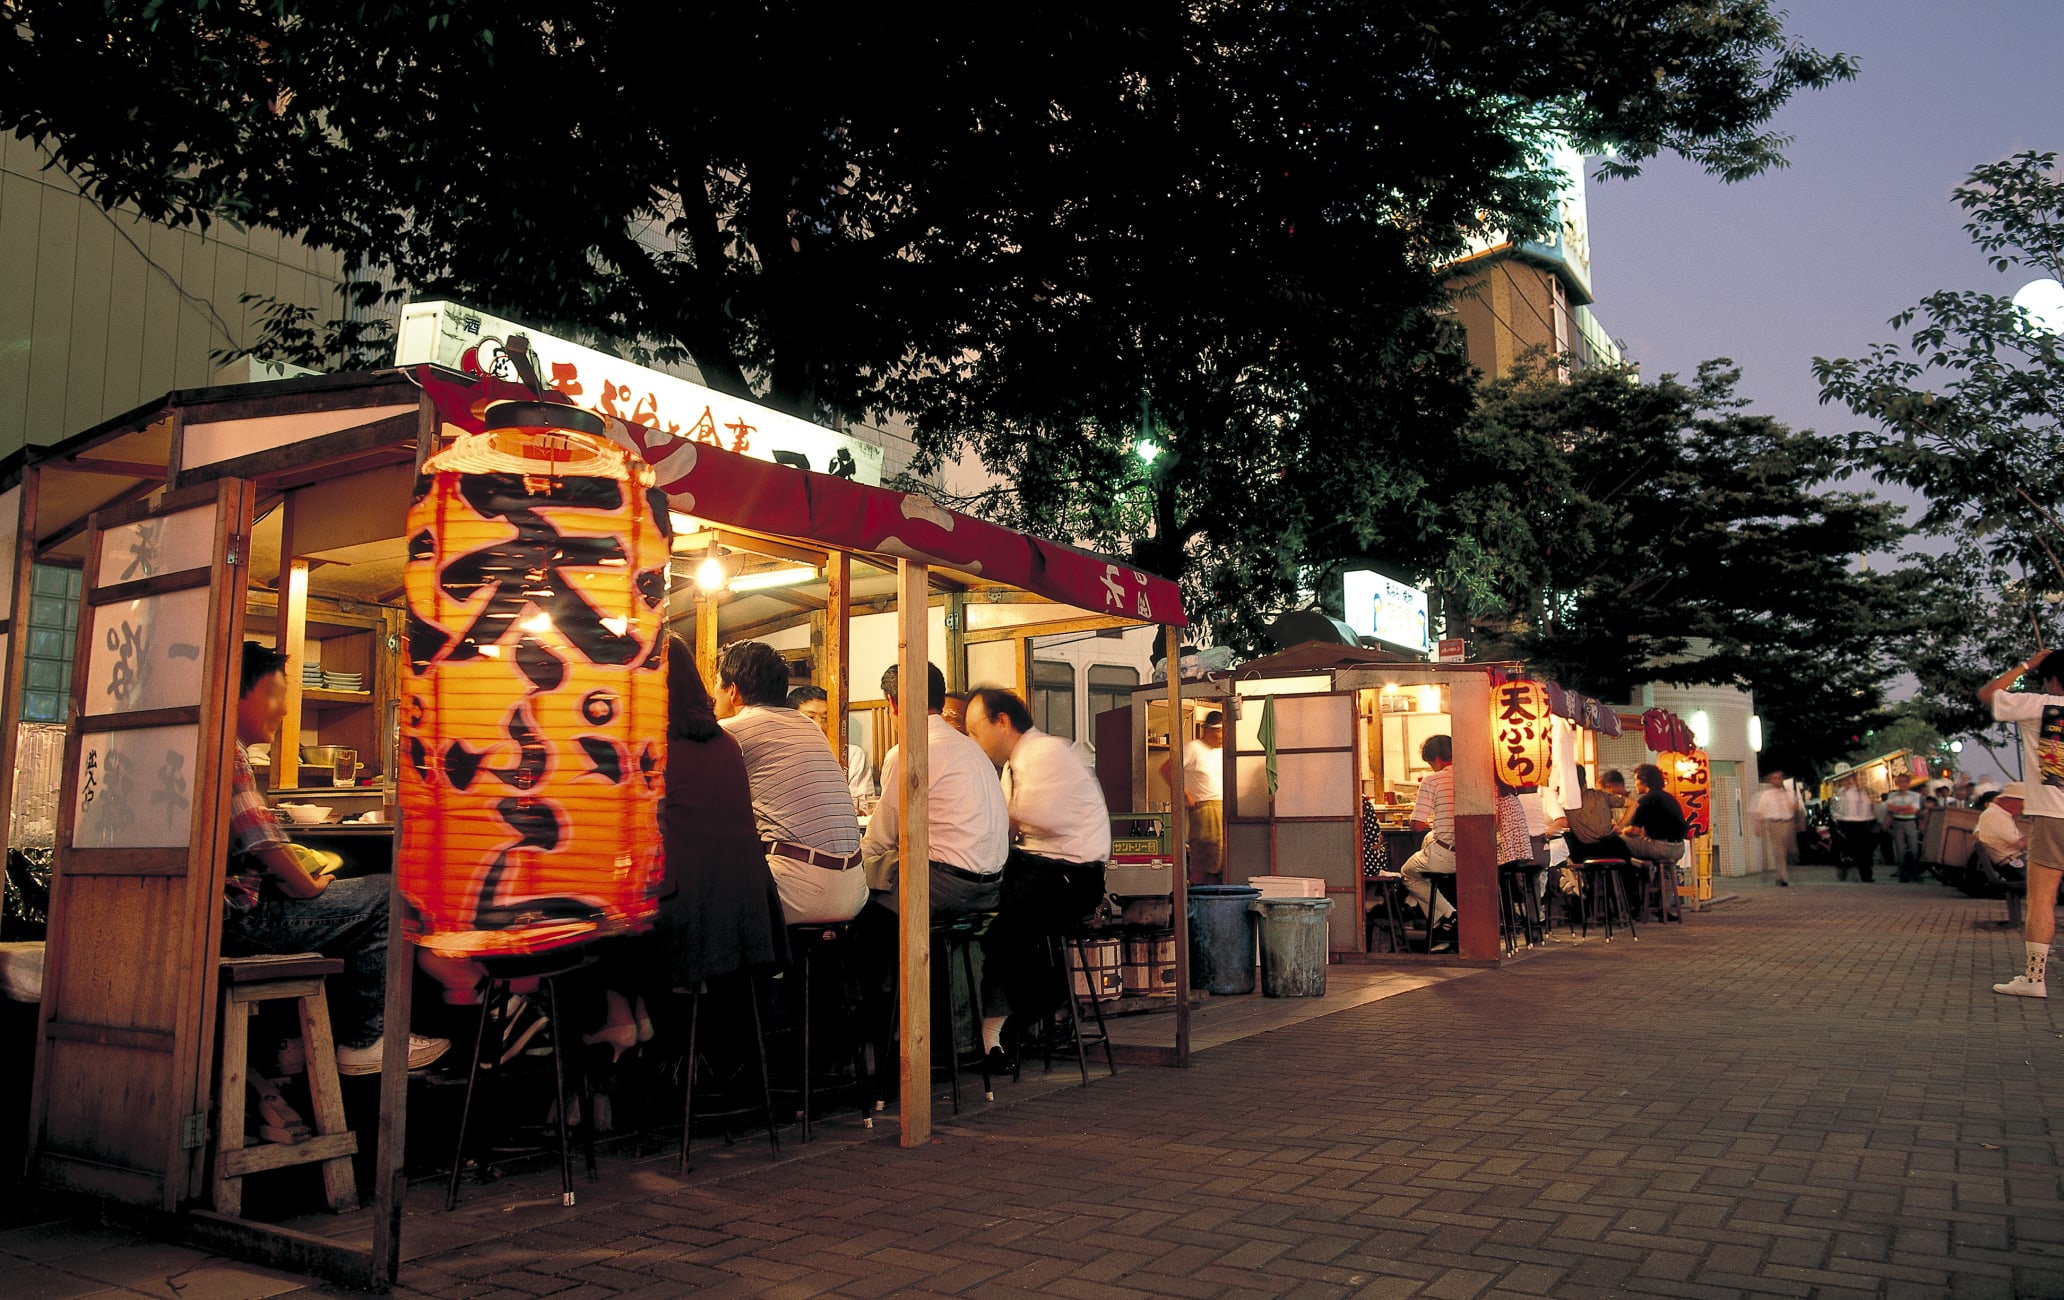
(343, 681)
(312, 675)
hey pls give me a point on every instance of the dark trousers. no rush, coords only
(1856, 846)
(1041, 896)
(347, 920)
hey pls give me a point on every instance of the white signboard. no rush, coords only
(449, 334)
(1384, 608)
(1567, 243)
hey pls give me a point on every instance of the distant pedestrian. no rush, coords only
(2040, 717)
(1777, 816)
(1903, 807)
(1856, 830)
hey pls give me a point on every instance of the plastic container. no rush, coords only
(1222, 925)
(1293, 947)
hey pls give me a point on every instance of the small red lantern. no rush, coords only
(1519, 732)
(533, 698)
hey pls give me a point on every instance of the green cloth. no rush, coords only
(1268, 741)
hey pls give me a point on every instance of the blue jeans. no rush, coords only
(348, 920)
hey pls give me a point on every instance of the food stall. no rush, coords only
(1341, 727)
(275, 512)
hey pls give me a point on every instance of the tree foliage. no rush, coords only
(1617, 534)
(1018, 233)
(1969, 409)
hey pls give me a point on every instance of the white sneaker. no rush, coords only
(2022, 987)
(366, 1060)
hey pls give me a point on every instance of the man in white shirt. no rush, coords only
(1856, 830)
(815, 704)
(1203, 780)
(2040, 716)
(970, 824)
(1061, 833)
(1433, 811)
(1903, 807)
(1777, 813)
(800, 800)
(2000, 829)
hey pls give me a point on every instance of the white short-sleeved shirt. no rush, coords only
(798, 789)
(1998, 832)
(1056, 801)
(1203, 771)
(1435, 805)
(2041, 720)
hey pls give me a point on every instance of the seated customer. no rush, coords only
(1061, 833)
(271, 904)
(1590, 832)
(1657, 830)
(815, 704)
(2001, 830)
(1433, 811)
(970, 823)
(799, 794)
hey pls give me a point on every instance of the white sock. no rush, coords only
(2038, 961)
(992, 1030)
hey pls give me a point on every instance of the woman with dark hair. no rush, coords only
(718, 911)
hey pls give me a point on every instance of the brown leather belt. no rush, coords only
(816, 858)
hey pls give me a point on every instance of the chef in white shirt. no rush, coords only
(970, 824)
(1061, 837)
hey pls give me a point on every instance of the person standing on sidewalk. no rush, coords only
(1856, 830)
(1904, 807)
(2040, 717)
(1202, 783)
(1777, 815)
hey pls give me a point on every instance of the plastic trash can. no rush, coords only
(1293, 947)
(1222, 938)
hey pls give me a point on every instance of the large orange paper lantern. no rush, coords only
(533, 696)
(1519, 732)
(1689, 777)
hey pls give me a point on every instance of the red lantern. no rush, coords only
(1688, 776)
(1519, 732)
(533, 700)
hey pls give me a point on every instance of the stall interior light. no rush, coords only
(683, 524)
(771, 578)
(709, 575)
(1429, 699)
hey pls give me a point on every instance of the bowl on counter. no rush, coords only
(304, 814)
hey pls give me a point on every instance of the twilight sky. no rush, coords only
(1813, 259)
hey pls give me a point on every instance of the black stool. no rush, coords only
(960, 934)
(1058, 948)
(502, 971)
(1391, 907)
(1606, 885)
(1519, 899)
(751, 985)
(828, 939)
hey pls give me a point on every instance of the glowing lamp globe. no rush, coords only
(533, 690)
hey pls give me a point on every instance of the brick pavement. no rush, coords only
(1810, 1092)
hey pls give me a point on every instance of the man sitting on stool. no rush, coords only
(1433, 811)
(1061, 833)
(970, 824)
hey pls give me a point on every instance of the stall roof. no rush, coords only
(1321, 656)
(725, 488)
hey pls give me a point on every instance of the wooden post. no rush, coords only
(914, 861)
(956, 641)
(13, 665)
(838, 646)
(1476, 828)
(706, 640)
(390, 1179)
(292, 630)
(1178, 841)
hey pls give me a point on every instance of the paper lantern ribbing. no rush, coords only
(1689, 777)
(1519, 732)
(533, 699)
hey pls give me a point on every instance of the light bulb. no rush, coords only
(709, 575)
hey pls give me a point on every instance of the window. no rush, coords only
(53, 627)
(1053, 698)
(1110, 687)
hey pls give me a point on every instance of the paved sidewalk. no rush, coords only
(1809, 1092)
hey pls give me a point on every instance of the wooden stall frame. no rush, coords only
(15, 626)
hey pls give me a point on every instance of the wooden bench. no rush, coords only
(247, 982)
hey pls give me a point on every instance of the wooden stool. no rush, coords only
(246, 982)
(813, 941)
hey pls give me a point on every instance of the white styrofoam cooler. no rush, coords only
(1289, 886)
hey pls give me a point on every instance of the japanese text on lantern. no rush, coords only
(1519, 729)
(1689, 777)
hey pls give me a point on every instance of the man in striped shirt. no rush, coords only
(1433, 811)
(799, 792)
